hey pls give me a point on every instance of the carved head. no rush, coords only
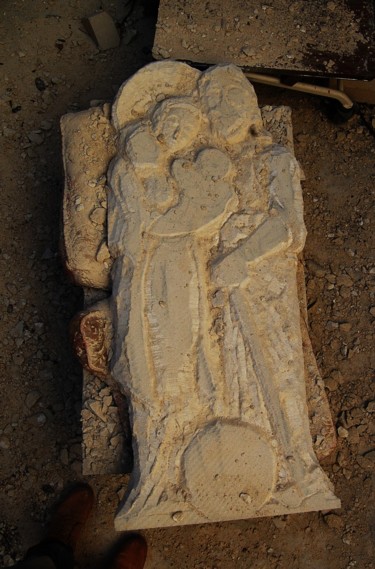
(175, 122)
(230, 103)
(154, 82)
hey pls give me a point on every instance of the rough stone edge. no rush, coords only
(88, 145)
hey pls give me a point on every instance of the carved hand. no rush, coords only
(271, 237)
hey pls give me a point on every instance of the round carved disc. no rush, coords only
(229, 467)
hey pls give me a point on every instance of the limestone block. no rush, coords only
(203, 328)
(88, 140)
(106, 437)
(103, 31)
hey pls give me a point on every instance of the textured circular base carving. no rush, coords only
(229, 466)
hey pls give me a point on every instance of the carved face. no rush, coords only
(176, 123)
(143, 149)
(231, 106)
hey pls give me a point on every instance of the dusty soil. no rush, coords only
(323, 37)
(49, 66)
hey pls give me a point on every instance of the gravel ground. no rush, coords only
(49, 67)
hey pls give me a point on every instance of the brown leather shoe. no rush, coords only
(131, 554)
(70, 515)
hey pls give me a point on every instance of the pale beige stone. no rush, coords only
(85, 190)
(100, 455)
(205, 222)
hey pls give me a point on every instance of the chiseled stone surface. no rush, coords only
(205, 222)
(87, 258)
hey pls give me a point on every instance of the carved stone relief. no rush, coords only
(203, 330)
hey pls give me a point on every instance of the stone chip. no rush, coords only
(103, 31)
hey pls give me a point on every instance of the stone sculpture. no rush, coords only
(202, 330)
